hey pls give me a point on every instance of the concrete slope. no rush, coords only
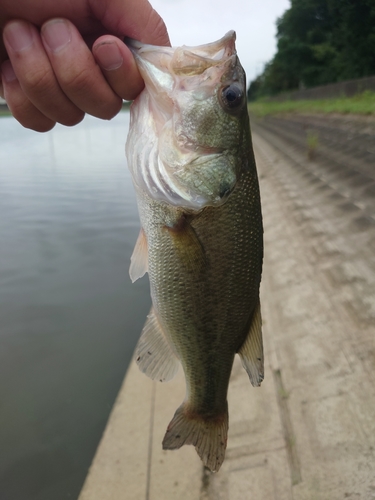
(309, 431)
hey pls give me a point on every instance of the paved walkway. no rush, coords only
(309, 431)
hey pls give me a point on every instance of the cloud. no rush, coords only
(193, 22)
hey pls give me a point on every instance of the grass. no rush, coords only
(312, 140)
(362, 104)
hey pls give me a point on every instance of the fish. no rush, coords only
(190, 154)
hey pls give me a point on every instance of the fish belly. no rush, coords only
(205, 272)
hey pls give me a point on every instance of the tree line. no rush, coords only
(319, 42)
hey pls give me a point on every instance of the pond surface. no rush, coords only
(69, 315)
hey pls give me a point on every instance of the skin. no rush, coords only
(62, 59)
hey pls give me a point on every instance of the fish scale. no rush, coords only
(201, 246)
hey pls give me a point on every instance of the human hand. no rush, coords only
(49, 74)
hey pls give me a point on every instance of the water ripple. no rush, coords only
(69, 317)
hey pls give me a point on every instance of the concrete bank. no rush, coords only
(309, 431)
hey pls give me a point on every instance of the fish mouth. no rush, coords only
(180, 166)
(185, 60)
(207, 48)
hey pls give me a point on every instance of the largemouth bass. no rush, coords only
(190, 154)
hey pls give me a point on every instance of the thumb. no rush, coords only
(132, 18)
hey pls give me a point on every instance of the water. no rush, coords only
(69, 315)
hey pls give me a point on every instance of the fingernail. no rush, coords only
(108, 55)
(7, 72)
(56, 34)
(18, 35)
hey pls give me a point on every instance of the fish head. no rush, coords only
(190, 124)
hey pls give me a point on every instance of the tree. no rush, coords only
(321, 41)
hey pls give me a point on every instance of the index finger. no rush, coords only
(118, 66)
(134, 19)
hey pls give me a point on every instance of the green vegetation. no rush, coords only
(363, 104)
(312, 140)
(319, 42)
(5, 112)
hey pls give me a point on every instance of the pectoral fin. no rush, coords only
(251, 352)
(153, 354)
(139, 258)
(187, 244)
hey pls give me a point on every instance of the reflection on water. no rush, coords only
(69, 316)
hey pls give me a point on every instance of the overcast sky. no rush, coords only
(193, 22)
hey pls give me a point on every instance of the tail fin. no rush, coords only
(208, 435)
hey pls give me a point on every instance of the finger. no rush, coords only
(20, 106)
(76, 70)
(3, 57)
(133, 18)
(35, 74)
(118, 66)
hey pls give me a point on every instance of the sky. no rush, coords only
(194, 22)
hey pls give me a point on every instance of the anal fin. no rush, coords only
(251, 352)
(153, 354)
(139, 258)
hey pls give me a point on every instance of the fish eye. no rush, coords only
(231, 96)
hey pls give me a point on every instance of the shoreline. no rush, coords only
(308, 430)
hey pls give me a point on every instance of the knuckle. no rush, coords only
(38, 81)
(26, 113)
(90, 94)
(77, 81)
